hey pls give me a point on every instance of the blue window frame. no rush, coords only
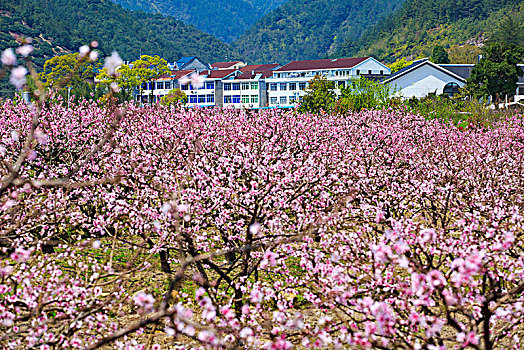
(185, 87)
(273, 86)
(210, 85)
(227, 99)
(202, 99)
(283, 86)
(227, 86)
(193, 99)
(236, 86)
(210, 98)
(236, 98)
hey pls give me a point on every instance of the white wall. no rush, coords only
(422, 81)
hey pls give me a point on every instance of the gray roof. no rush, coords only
(401, 71)
(462, 70)
(440, 67)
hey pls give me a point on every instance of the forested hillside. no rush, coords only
(308, 29)
(419, 25)
(225, 19)
(64, 25)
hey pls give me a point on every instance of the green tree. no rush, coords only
(464, 54)
(174, 97)
(440, 55)
(70, 75)
(497, 73)
(398, 65)
(147, 69)
(127, 79)
(363, 94)
(320, 95)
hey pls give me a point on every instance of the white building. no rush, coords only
(248, 89)
(424, 77)
(287, 84)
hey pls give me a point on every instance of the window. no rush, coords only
(227, 99)
(167, 85)
(521, 91)
(193, 99)
(245, 86)
(292, 86)
(273, 100)
(227, 86)
(245, 99)
(236, 86)
(236, 98)
(273, 86)
(202, 99)
(160, 85)
(144, 86)
(254, 99)
(370, 71)
(358, 71)
(283, 86)
(254, 86)
(381, 72)
(302, 86)
(185, 87)
(283, 100)
(451, 89)
(210, 85)
(210, 98)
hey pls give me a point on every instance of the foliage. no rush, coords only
(66, 25)
(440, 55)
(398, 65)
(70, 74)
(127, 80)
(213, 17)
(363, 94)
(309, 29)
(320, 96)
(464, 54)
(174, 97)
(419, 25)
(497, 73)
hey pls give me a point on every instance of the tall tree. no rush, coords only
(440, 55)
(149, 68)
(497, 73)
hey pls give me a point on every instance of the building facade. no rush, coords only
(287, 85)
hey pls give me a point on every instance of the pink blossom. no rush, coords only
(8, 57)
(17, 77)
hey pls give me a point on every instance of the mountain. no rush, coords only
(225, 19)
(419, 25)
(64, 25)
(309, 29)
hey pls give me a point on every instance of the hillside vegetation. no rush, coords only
(419, 25)
(67, 24)
(225, 19)
(309, 29)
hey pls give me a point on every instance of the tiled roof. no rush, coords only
(265, 70)
(322, 64)
(218, 74)
(462, 70)
(224, 65)
(184, 60)
(181, 73)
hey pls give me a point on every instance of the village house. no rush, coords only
(228, 65)
(248, 89)
(287, 85)
(424, 77)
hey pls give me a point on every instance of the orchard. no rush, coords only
(156, 227)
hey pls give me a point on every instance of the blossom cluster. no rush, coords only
(378, 229)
